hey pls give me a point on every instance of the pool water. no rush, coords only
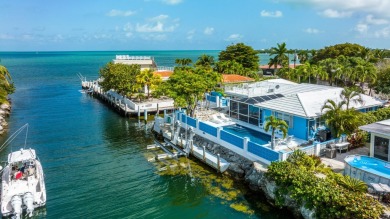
(254, 136)
(370, 164)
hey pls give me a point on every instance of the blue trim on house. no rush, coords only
(263, 152)
(208, 129)
(191, 122)
(232, 139)
(299, 129)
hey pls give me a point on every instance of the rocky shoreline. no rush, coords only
(253, 173)
(5, 111)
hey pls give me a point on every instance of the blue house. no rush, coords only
(297, 104)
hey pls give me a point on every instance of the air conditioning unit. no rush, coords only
(270, 90)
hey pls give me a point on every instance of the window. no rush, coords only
(381, 148)
(286, 117)
(320, 122)
(254, 115)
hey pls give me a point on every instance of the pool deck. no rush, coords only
(337, 164)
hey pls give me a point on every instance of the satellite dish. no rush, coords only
(277, 86)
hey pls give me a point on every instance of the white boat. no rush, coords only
(23, 185)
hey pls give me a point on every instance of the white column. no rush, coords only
(372, 140)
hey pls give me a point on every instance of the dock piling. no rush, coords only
(204, 153)
(218, 163)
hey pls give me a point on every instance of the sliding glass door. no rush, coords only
(381, 148)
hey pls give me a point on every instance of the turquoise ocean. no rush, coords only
(96, 162)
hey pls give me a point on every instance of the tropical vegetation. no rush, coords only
(340, 117)
(331, 195)
(128, 80)
(6, 84)
(188, 85)
(242, 54)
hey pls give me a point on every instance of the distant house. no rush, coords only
(270, 70)
(297, 104)
(235, 79)
(146, 62)
(164, 74)
(380, 138)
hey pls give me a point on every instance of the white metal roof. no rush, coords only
(305, 100)
(289, 104)
(21, 155)
(382, 127)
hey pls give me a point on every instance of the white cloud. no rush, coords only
(172, 2)
(157, 25)
(371, 20)
(265, 13)
(190, 34)
(27, 37)
(311, 30)
(234, 37)
(4, 36)
(161, 17)
(208, 30)
(128, 27)
(58, 38)
(119, 13)
(102, 36)
(361, 28)
(331, 13)
(379, 8)
(383, 33)
(155, 37)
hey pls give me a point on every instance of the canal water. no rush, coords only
(95, 161)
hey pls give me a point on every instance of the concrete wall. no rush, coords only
(299, 129)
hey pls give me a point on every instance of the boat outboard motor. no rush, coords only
(28, 201)
(16, 203)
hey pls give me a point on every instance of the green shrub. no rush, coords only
(330, 197)
(352, 184)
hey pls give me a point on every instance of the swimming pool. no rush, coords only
(254, 136)
(367, 169)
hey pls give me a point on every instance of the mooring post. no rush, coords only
(139, 112)
(219, 163)
(158, 110)
(145, 115)
(204, 153)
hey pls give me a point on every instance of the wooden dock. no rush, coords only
(119, 104)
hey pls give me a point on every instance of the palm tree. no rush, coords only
(275, 123)
(366, 73)
(332, 116)
(280, 55)
(183, 62)
(205, 61)
(332, 67)
(148, 79)
(319, 73)
(303, 56)
(349, 95)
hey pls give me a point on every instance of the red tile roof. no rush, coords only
(163, 74)
(227, 78)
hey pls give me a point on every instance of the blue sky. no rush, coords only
(43, 25)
